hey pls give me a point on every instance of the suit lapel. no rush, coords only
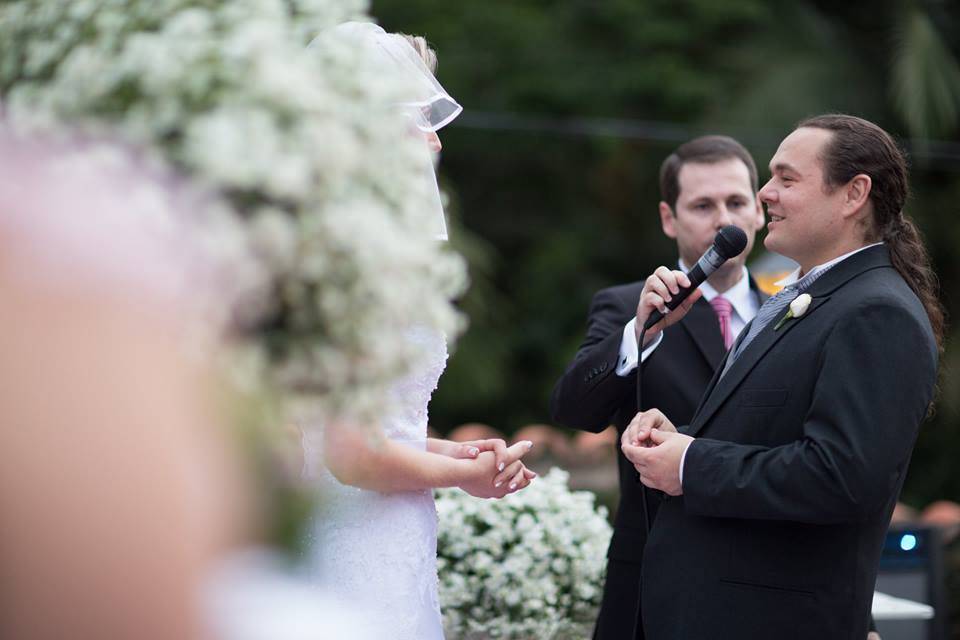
(721, 388)
(701, 325)
(746, 362)
(718, 368)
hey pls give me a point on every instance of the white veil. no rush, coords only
(429, 106)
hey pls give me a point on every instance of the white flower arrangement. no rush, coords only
(528, 566)
(301, 144)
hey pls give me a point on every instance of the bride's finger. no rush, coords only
(512, 469)
(519, 481)
(466, 450)
(513, 453)
(497, 445)
(529, 474)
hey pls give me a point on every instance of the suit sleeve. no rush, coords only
(876, 377)
(589, 392)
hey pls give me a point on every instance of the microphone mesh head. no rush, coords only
(730, 241)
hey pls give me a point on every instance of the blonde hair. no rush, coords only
(420, 45)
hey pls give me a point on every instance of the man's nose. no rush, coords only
(767, 193)
(724, 218)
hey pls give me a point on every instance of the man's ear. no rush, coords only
(857, 194)
(667, 219)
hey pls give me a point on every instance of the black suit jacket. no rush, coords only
(591, 396)
(801, 450)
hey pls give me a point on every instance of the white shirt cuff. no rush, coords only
(683, 459)
(628, 349)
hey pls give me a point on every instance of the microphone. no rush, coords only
(728, 243)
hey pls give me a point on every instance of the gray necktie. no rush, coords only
(773, 308)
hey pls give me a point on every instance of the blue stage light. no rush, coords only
(908, 542)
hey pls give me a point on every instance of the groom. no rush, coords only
(784, 482)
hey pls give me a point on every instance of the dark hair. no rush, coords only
(705, 150)
(858, 146)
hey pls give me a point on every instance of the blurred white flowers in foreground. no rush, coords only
(302, 145)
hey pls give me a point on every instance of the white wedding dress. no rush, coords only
(379, 550)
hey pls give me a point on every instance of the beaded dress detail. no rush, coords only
(379, 549)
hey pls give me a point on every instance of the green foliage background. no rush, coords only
(570, 108)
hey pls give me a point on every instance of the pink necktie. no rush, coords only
(723, 309)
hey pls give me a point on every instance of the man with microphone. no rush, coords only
(782, 485)
(705, 184)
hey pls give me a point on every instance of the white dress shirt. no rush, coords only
(796, 275)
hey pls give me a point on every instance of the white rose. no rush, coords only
(800, 304)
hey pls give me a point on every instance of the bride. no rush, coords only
(375, 538)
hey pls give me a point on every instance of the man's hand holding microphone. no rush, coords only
(651, 441)
(660, 289)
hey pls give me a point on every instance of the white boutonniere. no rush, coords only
(798, 307)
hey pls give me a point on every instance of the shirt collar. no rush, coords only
(739, 295)
(794, 277)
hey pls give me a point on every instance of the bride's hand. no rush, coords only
(488, 478)
(470, 448)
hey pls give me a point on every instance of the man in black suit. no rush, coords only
(705, 184)
(783, 483)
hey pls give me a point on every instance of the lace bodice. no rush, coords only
(379, 549)
(411, 395)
